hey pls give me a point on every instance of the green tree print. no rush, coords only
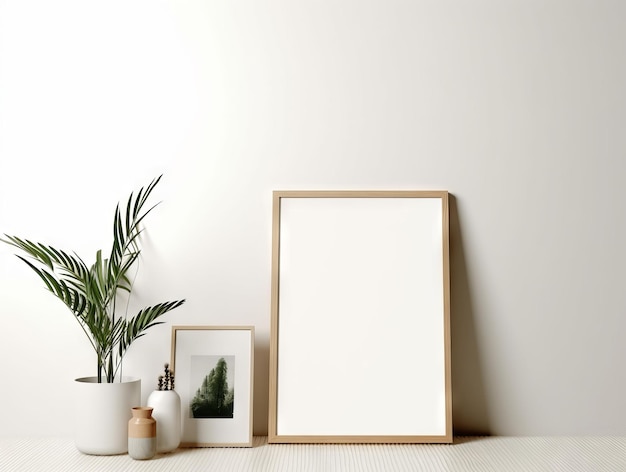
(214, 399)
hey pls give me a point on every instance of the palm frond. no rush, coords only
(145, 319)
(90, 291)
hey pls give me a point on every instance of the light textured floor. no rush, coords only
(502, 454)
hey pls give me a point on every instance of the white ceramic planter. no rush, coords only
(166, 411)
(101, 414)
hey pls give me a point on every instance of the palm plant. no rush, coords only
(90, 292)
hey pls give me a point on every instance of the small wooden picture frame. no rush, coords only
(214, 368)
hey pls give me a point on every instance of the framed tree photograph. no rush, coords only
(214, 368)
(360, 318)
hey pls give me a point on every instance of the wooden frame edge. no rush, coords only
(273, 436)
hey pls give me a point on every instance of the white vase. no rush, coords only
(101, 414)
(166, 411)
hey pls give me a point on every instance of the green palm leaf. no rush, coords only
(90, 292)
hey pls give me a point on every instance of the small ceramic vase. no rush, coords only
(167, 413)
(142, 432)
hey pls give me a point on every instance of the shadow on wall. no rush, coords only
(470, 414)
(261, 388)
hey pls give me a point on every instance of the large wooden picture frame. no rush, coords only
(360, 335)
(207, 360)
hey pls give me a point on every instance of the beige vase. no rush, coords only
(142, 434)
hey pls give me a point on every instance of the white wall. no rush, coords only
(517, 108)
